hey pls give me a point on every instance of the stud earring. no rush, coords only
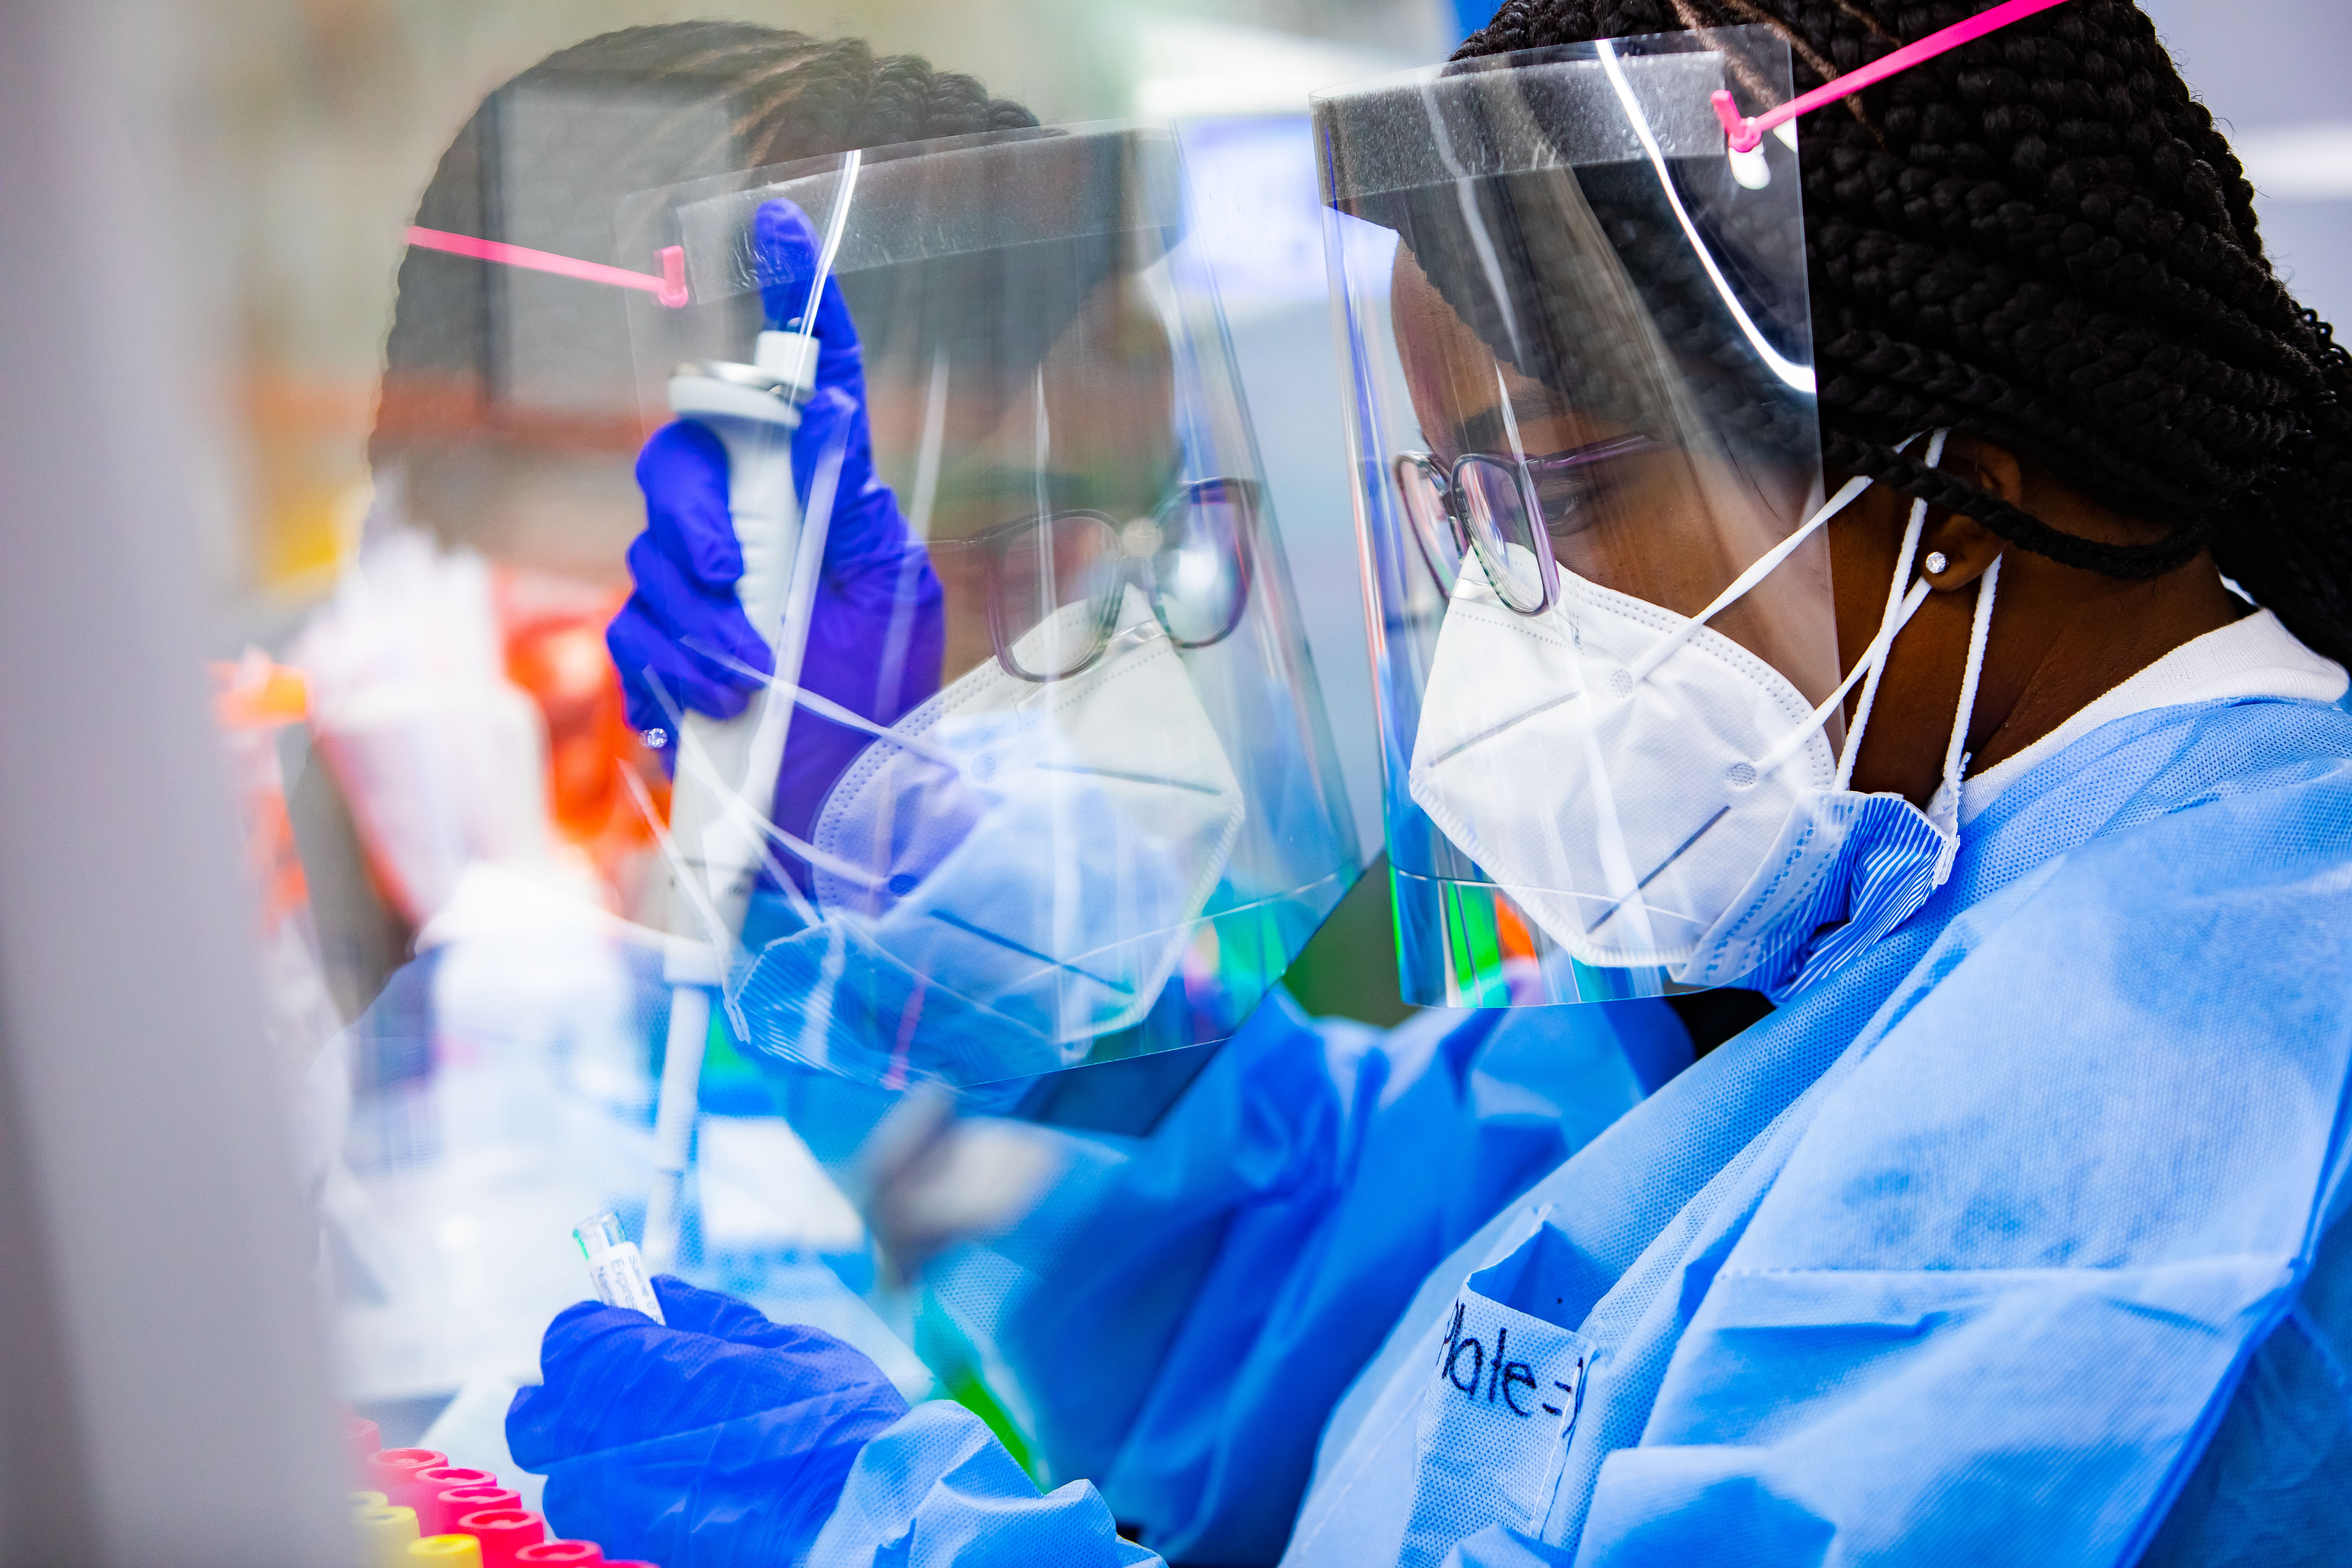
(1935, 563)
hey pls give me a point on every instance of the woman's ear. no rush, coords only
(1965, 547)
(1956, 551)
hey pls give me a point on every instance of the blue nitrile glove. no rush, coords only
(720, 1439)
(876, 633)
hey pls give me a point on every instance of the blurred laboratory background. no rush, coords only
(299, 133)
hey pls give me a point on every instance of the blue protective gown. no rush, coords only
(2015, 1240)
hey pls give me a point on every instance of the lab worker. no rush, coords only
(1055, 797)
(481, 840)
(474, 818)
(507, 394)
(1948, 648)
(462, 701)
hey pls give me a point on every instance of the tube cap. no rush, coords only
(459, 1501)
(393, 1471)
(434, 1517)
(446, 1551)
(597, 1235)
(503, 1531)
(384, 1535)
(569, 1552)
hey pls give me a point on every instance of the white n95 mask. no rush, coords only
(1009, 872)
(1654, 794)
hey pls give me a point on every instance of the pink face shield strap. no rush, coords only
(669, 287)
(1747, 133)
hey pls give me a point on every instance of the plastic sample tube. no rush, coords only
(434, 1517)
(446, 1551)
(370, 1499)
(384, 1535)
(614, 1265)
(503, 1531)
(570, 1552)
(459, 1501)
(392, 1472)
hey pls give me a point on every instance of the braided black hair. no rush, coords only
(2041, 238)
(547, 157)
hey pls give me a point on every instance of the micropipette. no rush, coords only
(718, 810)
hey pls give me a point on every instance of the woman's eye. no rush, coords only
(1569, 500)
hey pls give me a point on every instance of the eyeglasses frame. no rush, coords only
(994, 543)
(1524, 473)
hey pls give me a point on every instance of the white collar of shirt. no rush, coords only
(2254, 655)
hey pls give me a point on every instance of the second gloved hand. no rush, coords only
(719, 1438)
(876, 633)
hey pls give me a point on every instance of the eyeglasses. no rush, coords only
(1191, 558)
(1492, 504)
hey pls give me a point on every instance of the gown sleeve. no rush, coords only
(938, 1488)
(1181, 1316)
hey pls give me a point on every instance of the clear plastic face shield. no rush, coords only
(1055, 782)
(1586, 454)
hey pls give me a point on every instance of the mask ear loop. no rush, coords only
(1980, 633)
(1901, 606)
(1763, 566)
(1789, 744)
(1894, 589)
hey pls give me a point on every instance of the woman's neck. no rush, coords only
(2060, 636)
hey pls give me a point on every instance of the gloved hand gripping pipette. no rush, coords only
(717, 825)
